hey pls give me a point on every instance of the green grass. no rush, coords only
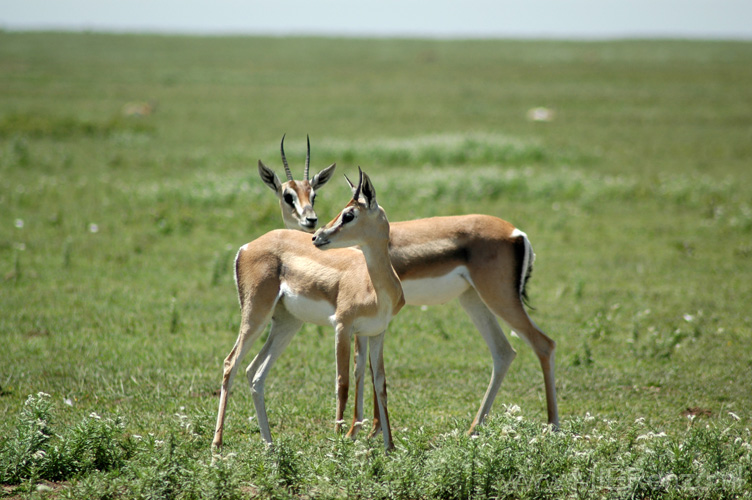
(117, 235)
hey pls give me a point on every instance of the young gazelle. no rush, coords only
(284, 278)
(296, 198)
(485, 262)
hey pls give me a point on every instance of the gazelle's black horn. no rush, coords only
(307, 158)
(284, 160)
(356, 194)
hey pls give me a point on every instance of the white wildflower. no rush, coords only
(93, 228)
(95, 416)
(668, 480)
(19, 223)
(513, 410)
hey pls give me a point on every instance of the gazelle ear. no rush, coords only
(269, 177)
(367, 191)
(323, 177)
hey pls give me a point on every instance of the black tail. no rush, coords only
(525, 259)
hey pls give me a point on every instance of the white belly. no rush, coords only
(369, 326)
(437, 290)
(318, 312)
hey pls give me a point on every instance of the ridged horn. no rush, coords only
(284, 160)
(307, 158)
(356, 194)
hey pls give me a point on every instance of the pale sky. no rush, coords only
(413, 18)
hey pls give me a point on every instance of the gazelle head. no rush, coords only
(361, 221)
(296, 198)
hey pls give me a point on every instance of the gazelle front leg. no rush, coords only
(361, 351)
(342, 353)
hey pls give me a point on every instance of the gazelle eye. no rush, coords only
(288, 199)
(347, 217)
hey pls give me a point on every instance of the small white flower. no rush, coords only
(93, 228)
(19, 223)
(513, 410)
(688, 318)
(68, 401)
(95, 416)
(668, 480)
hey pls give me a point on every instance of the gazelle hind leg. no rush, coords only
(250, 329)
(376, 427)
(283, 329)
(376, 353)
(543, 346)
(501, 350)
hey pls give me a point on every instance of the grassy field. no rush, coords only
(117, 234)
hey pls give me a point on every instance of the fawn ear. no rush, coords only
(269, 177)
(367, 191)
(323, 177)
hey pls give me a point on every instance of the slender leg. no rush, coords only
(376, 353)
(376, 428)
(250, 329)
(502, 352)
(342, 352)
(543, 346)
(283, 329)
(361, 350)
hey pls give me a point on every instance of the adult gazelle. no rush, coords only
(286, 278)
(483, 261)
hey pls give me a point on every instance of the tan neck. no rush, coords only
(385, 281)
